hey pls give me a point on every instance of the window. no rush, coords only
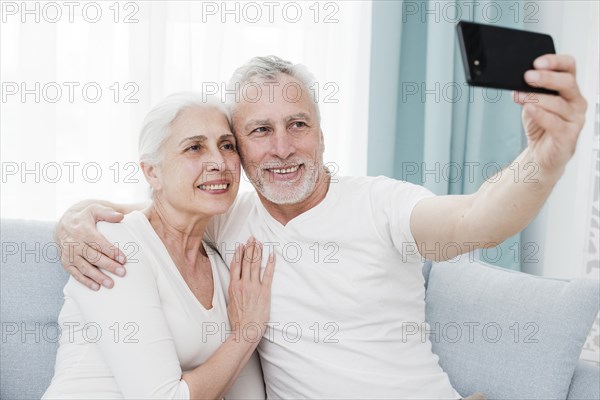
(78, 78)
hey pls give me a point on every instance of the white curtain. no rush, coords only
(78, 78)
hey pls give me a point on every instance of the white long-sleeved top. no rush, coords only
(134, 340)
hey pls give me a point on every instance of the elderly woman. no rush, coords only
(165, 330)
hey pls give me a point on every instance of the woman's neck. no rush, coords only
(181, 233)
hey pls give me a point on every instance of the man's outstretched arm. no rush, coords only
(84, 251)
(505, 204)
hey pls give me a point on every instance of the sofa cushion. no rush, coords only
(507, 334)
(31, 283)
(586, 382)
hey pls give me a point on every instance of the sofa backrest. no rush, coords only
(31, 283)
(32, 279)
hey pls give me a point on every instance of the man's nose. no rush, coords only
(282, 144)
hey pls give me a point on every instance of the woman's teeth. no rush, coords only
(221, 186)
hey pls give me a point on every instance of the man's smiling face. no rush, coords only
(279, 139)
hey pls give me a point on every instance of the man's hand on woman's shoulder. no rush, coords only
(84, 251)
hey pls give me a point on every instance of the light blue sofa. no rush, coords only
(506, 334)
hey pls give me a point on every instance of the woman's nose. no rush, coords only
(216, 161)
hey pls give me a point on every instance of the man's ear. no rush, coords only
(151, 173)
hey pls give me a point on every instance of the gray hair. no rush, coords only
(156, 126)
(267, 68)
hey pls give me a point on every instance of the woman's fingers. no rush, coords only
(251, 262)
(247, 259)
(256, 262)
(249, 295)
(267, 278)
(235, 269)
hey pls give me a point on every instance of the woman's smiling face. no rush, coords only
(199, 170)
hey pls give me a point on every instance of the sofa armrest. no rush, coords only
(586, 382)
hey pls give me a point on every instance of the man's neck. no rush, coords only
(285, 213)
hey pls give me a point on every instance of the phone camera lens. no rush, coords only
(477, 67)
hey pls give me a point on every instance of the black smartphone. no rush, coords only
(498, 57)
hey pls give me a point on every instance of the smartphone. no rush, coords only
(498, 57)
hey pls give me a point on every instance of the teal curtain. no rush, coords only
(426, 125)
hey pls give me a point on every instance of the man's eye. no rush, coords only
(299, 124)
(194, 147)
(260, 131)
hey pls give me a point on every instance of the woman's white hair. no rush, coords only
(156, 126)
(267, 68)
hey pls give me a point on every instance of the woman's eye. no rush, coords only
(229, 146)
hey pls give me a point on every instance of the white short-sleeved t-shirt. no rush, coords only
(134, 340)
(347, 286)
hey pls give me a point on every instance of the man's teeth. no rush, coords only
(285, 170)
(221, 186)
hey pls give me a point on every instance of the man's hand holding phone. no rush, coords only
(552, 123)
(544, 83)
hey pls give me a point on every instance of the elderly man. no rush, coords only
(350, 249)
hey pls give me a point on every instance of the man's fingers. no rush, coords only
(554, 104)
(100, 260)
(98, 245)
(89, 262)
(79, 277)
(563, 82)
(92, 272)
(235, 268)
(103, 213)
(74, 253)
(544, 118)
(556, 62)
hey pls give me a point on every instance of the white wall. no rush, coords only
(566, 230)
(561, 227)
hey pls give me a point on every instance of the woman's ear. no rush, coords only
(151, 173)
